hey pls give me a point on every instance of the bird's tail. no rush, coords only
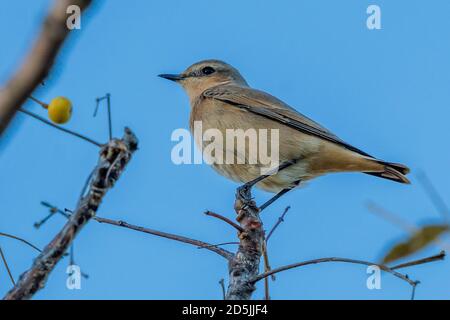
(392, 171)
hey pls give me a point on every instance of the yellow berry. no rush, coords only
(60, 110)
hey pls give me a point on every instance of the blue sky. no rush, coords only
(384, 91)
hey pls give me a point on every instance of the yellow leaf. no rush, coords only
(419, 240)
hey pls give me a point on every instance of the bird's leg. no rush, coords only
(274, 198)
(245, 189)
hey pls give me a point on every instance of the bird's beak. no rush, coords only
(172, 77)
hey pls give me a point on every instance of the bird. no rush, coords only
(222, 99)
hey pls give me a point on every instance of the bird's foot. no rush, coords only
(244, 195)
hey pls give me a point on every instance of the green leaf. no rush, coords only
(419, 240)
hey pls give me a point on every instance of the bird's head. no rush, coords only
(204, 75)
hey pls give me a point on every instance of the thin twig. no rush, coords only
(266, 269)
(7, 267)
(413, 293)
(266, 289)
(39, 102)
(108, 106)
(53, 210)
(108, 101)
(218, 244)
(71, 255)
(76, 134)
(333, 259)
(434, 195)
(39, 223)
(21, 240)
(280, 220)
(224, 253)
(440, 256)
(38, 62)
(86, 184)
(225, 219)
(265, 254)
(222, 285)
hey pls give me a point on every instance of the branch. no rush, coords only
(440, 256)
(222, 252)
(5, 262)
(2, 234)
(38, 62)
(222, 286)
(218, 244)
(76, 134)
(346, 260)
(224, 219)
(112, 161)
(279, 221)
(244, 266)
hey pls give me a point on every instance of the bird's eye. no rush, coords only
(208, 70)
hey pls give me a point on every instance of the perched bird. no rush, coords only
(221, 98)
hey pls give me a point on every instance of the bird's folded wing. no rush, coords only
(263, 104)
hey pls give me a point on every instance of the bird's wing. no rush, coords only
(268, 106)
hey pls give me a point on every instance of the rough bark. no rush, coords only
(244, 266)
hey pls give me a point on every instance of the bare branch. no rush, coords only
(76, 134)
(266, 269)
(218, 244)
(38, 62)
(413, 293)
(102, 180)
(245, 263)
(280, 220)
(346, 260)
(21, 240)
(7, 266)
(440, 256)
(225, 219)
(222, 252)
(106, 97)
(222, 286)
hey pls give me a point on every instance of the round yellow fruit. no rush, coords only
(60, 110)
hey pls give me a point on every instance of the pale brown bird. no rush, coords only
(221, 98)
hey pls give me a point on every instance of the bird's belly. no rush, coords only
(287, 178)
(238, 165)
